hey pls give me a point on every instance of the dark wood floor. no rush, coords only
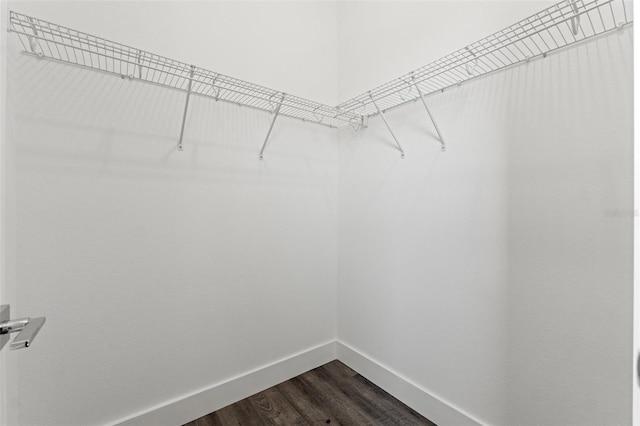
(332, 394)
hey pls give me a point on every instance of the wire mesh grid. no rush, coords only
(556, 27)
(52, 41)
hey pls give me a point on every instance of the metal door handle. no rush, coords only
(27, 329)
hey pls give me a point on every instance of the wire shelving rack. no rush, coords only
(52, 41)
(556, 27)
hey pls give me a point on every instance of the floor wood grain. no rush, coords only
(331, 394)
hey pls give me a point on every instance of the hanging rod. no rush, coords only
(558, 26)
(52, 41)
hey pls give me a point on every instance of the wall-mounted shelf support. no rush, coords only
(273, 121)
(575, 20)
(186, 106)
(34, 44)
(386, 123)
(443, 147)
(139, 62)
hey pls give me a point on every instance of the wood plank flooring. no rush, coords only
(331, 394)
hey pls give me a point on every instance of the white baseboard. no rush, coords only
(430, 406)
(189, 407)
(199, 403)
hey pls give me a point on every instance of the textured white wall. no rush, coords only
(160, 272)
(489, 274)
(570, 203)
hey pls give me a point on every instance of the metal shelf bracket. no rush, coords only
(443, 146)
(34, 43)
(386, 123)
(186, 107)
(273, 121)
(139, 63)
(575, 20)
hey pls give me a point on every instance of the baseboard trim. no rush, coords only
(435, 409)
(189, 407)
(196, 404)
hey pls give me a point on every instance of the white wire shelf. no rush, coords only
(52, 41)
(558, 26)
(563, 24)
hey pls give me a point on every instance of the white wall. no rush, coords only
(636, 232)
(7, 219)
(423, 248)
(570, 294)
(489, 275)
(160, 272)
